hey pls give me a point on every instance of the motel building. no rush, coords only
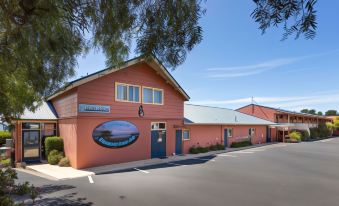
(285, 120)
(133, 112)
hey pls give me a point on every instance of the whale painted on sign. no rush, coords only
(115, 134)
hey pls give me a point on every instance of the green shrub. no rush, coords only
(202, 149)
(213, 147)
(199, 149)
(220, 146)
(320, 132)
(304, 135)
(243, 143)
(54, 157)
(193, 150)
(296, 136)
(53, 143)
(64, 162)
(3, 136)
(5, 162)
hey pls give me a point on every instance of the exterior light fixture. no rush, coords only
(141, 111)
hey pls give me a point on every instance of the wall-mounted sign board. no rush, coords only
(94, 108)
(115, 134)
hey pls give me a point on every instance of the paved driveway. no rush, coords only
(281, 174)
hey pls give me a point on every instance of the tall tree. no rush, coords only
(331, 112)
(41, 39)
(297, 17)
(320, 113)
(304, 111)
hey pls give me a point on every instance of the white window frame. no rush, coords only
(157, 128)
(189, 134)
(229, 131)
(153, 89)
(252, 132)
(127, 85)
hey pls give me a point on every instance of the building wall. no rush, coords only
(102, 92)
(258, 111)
(77, 130)
(68, 130)
(66, 104)
(90, 154)
(206, 135)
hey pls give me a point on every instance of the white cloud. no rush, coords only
(252, 69)
(295, 103)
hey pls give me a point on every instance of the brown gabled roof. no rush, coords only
(286, 111)
(153, 62)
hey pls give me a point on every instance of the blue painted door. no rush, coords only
(178, 142)
(268, 135)
(225, 138)
(158, 144)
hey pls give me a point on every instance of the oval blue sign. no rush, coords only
(115, 134)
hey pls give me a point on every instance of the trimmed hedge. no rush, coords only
(53, 143)
(244, 143)
(54, 157)
(199, 149)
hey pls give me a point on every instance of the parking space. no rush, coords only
(282, 174)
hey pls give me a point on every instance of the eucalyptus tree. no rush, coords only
(40, 40)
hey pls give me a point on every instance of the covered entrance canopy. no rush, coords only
(283, 129)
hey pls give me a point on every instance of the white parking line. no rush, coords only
(243, 152)
(144, 171)
(226, 155)
(175, 164)
(212, 160)
(90, 179)
(256, 150)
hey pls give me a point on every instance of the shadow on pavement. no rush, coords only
(193, 161)
(62, 200)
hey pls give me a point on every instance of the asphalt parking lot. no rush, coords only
(279, 174)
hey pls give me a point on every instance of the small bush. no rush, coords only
(244, 143)
(213, 147)
(320, 132)
(304, 135)
(3, 136)
(199, 149)
(220, 146)
(64, 162)
(202, 149)
(295, 136)
(54, 157)
(193, 150)
(53, 143)
(5, 162)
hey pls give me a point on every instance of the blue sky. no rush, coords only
(234, 62)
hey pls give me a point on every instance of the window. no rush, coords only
(127, 93)
(157, 96)
(186, 134)
(251, 131)
(229, 132)
(147, 95)
(153, 95)
(29, 125)
(158, 126)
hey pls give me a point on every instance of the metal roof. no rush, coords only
(198, 114)
(43, 112)
(287, 111)
(153, 62)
